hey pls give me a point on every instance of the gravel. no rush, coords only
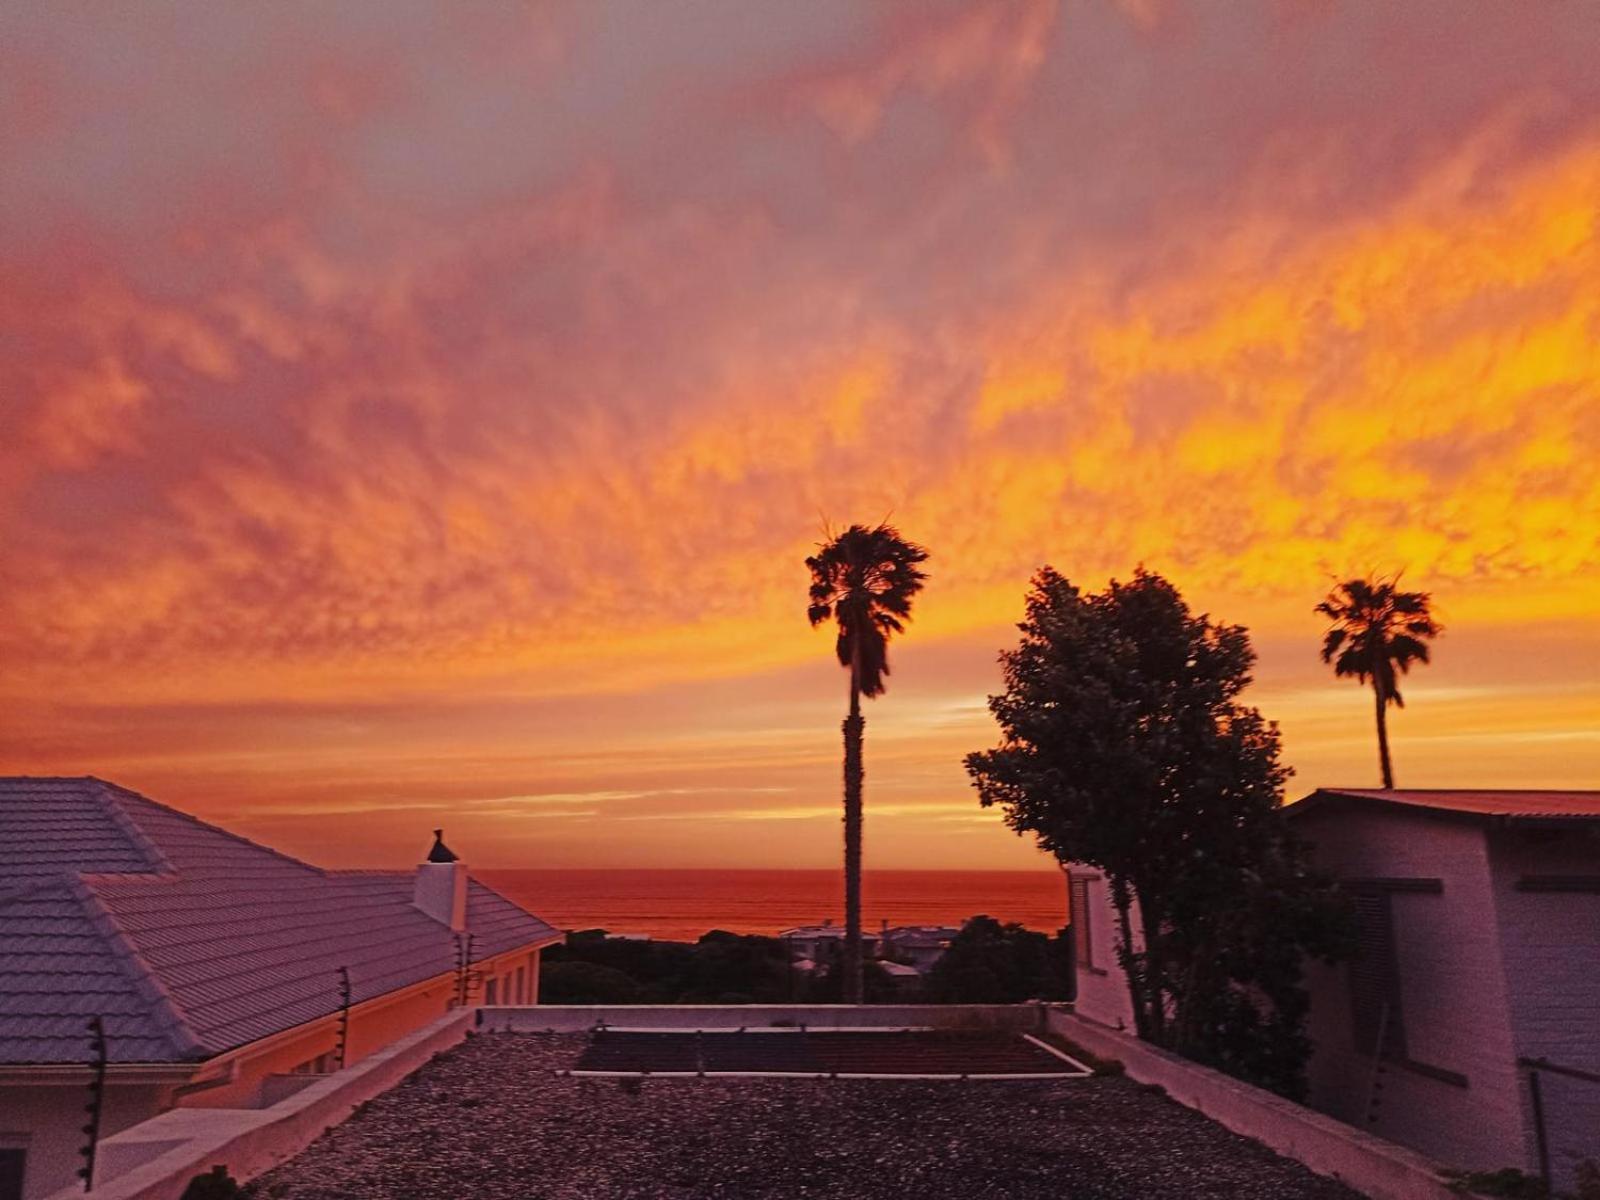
(490, 1120)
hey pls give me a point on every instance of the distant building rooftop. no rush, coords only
(188, 940)
(1511, 804)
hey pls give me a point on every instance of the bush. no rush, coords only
(216, 1184)
(586, 983)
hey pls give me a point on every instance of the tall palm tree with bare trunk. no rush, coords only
(864, 579)
(1377, 632)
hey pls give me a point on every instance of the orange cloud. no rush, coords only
(428, 414)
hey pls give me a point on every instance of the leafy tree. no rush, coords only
(829, 983)
(865, 580)
(1377, 632)
(586, 983)
(1124, 745)
(991, 963)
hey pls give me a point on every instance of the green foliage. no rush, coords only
(1507, 1182)
(721, 968)
(215, 1184)
(828, 986)
(991, 963)
(1124, 745)
(586, 983)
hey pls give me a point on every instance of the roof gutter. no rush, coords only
(228, 1058)
(80, 1073)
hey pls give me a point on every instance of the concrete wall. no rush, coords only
(1453, 998)
(47, 1120)
(577, 1017)
(155, 1160)
(1551, 946)
(1375, 1167)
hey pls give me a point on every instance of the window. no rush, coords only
(491, 992)
(1082, 936)
(522, 985)
(13, 1166)
(1375, 1018)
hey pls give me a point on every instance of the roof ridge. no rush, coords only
(163, 1008)
(108, 786)
(146, 845)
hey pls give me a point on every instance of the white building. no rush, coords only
(1469, 1027)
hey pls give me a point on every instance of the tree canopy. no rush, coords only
(1124, 745)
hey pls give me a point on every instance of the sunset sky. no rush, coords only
(418, 414)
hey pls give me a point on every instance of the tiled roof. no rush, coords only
(191, 940)
(1525, 805)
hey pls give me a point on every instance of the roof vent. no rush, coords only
(440, 852)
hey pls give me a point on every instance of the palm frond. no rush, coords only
(1376, 632)
(865, 578)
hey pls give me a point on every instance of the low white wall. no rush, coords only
(573, 1018)
(1377, 1168)
(155, 1159)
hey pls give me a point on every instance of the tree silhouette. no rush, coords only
(1125, 744)
(1378, 631)
(864, 579)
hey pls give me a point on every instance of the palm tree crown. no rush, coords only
(1378, 631)
(865, 578)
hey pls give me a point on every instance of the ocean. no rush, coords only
(683, 904)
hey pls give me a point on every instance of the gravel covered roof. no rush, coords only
(188, 939)
(492, 1120)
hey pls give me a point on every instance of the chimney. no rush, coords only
(441, 886)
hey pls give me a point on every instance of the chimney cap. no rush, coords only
(440, 852)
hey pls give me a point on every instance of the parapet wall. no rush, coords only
(575, 1018)
(155, 1159)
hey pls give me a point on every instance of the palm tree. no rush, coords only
(1377, 633)
(864, 579)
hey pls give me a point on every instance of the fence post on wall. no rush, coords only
(1540, 1138)
(344, 1015)
(97, 1097)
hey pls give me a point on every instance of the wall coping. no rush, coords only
(1371, 1165)
(576, 1018)
(160, 1156)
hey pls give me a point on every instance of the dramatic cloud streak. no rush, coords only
(436, 405)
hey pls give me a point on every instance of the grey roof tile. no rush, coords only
(191, 940)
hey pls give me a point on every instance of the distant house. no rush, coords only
(918, 946)
(824, 943)
(1469, 1027)
(215, 964)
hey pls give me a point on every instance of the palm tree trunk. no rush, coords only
(1383, 734)
(854, 725)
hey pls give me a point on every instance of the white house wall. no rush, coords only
(1551, 942)
(1102, 985)
(1452, 993)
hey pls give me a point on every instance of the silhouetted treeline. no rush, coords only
(988, 963)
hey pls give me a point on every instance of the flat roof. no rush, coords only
(494, 1118)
